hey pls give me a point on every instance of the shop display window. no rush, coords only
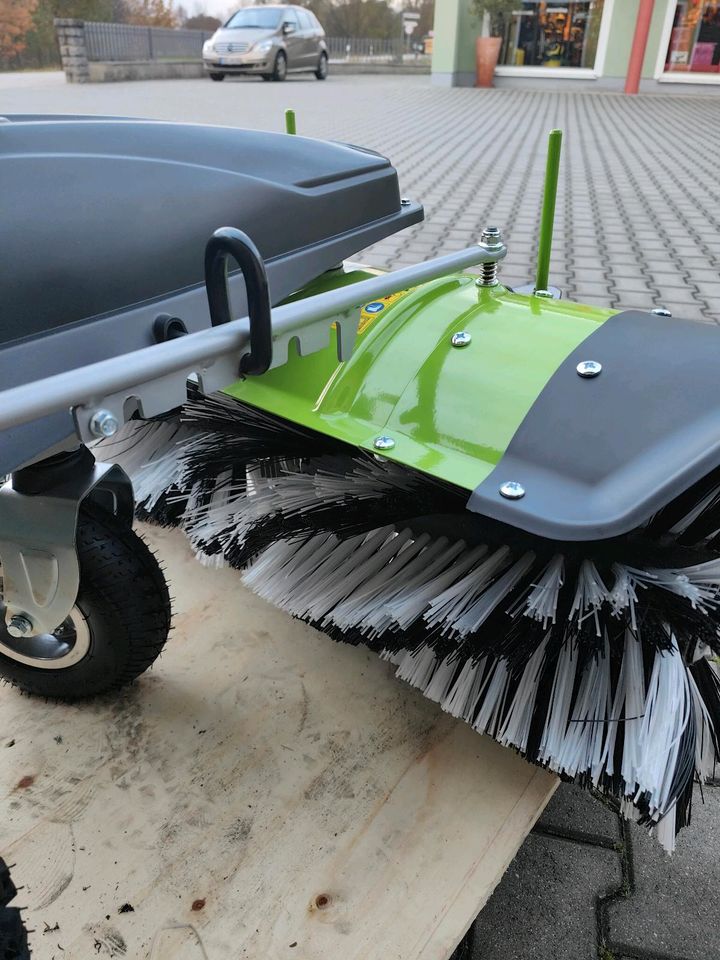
(543, 33)
(695, 38)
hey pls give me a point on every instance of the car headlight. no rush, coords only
(208, 47)
(263, 46)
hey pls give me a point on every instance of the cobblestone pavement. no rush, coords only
(638, 226)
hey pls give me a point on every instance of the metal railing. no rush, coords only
(122, 41)
(364, 48)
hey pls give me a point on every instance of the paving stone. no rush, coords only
(674, 907)
(578, 811)
(544, 907)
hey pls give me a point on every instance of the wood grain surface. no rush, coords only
(262, 793)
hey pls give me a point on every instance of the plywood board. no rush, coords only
(262, 793)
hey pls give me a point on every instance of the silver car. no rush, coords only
(269, 41)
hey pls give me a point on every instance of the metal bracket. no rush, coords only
(40, 568)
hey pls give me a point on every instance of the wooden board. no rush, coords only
(262, 793)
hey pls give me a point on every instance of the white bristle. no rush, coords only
(516, 726)
(417, 667)
(666, 715)
(558, 713)
(449, 606)
(590, 594)
(541, 602)
(489, 599)
(582, 746)
(149, 452)
(461, 700)
(492, 699)
(441, 680)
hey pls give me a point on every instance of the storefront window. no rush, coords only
(695, 39)
(547, 34)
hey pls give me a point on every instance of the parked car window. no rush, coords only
(316, 23)
(289, 17)
(256, 17)
(305, 20)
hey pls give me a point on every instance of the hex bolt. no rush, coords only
(19, 626)
(384, 443)
(103, 424)
(461, 339)
(512, 490)
(490, 237)
(587, 369)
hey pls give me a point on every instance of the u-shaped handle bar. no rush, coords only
(225, 243)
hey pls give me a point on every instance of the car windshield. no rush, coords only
(255, 17)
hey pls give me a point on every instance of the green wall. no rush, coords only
(622, 30)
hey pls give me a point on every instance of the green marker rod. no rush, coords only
(547, 218)
(290, 126)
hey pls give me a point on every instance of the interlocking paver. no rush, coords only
(544, 907)
(675, 904)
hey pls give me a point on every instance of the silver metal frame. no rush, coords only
(38, 533)
(153, 380)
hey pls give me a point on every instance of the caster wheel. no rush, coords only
(116, 629)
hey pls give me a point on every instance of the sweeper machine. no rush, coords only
(512, 498)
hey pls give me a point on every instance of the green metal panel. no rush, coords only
(451, 411)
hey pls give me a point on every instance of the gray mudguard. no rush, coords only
(597, 457)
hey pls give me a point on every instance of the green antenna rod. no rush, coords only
(290, 126)
(547, 218)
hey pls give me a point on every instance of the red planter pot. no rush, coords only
(487, 51)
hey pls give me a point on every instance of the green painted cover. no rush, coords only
(451, 411)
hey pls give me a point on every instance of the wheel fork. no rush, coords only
(39, 508)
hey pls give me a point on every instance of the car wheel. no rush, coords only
(217, 77)
(280, 68)
(322, 68)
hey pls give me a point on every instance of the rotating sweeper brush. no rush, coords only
(514, 499)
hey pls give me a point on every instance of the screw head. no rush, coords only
(661, 312)
(587, 369)
(19, 626)
(512, 490)
(103, 424)
(461, 339)
(383, 443)
(404, 202)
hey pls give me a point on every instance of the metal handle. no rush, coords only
(225, 243)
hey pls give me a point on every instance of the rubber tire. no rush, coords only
(13, 935)
(266, 76)
(319, 72)
(218, 78)
(124, 596)
(275, 75)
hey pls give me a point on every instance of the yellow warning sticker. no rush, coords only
(371, 311)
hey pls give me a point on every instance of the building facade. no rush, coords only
(586, 44)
